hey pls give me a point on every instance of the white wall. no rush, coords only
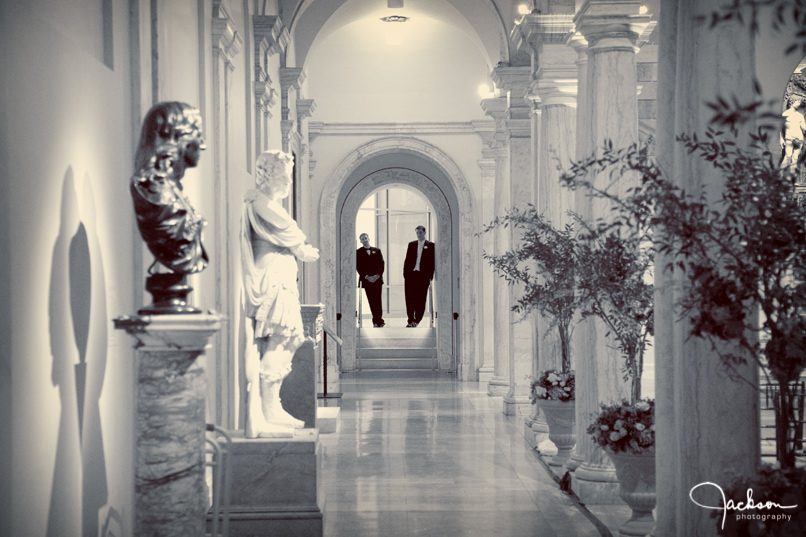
(65, 160)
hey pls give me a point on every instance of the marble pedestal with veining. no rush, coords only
(276, 487)
(170, 492)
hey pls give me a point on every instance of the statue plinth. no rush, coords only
(277, 486)
(170, 389)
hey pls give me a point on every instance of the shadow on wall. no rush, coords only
(78, 339)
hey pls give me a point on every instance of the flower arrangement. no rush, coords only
(553, 384)
(625, 427)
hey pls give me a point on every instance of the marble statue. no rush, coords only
(171, 141)
(271, 244)
(792, 135)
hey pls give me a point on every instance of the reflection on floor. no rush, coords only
(419, 453)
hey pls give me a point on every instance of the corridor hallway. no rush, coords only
(418, 453)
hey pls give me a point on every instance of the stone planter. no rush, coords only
(636, 475)
(560, 418)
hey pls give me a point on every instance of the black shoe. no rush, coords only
(411, 325)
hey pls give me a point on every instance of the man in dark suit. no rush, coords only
(418, 271)
(369, 264)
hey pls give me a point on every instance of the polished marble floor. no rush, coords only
(418, 453)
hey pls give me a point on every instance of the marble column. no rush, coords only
(706, 423)
(580, 47)
(170, 492)
(553, 91)
(488, 277)
(611, 29)
(515, 81)
(502, 313)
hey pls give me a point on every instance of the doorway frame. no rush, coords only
(431, 161)
(444, 273)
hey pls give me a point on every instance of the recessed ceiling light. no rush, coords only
(394, 18)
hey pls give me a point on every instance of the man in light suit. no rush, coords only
(369, 264)
(418, 271)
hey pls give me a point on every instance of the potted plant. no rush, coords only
(614, 279)
(626, 432)
(555, 391)
(744, 257)
(544, 264)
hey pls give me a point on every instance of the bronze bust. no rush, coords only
(171, 141)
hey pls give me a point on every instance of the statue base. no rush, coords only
(169, 292)
(276, 486)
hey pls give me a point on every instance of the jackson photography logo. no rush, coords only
(760, 510)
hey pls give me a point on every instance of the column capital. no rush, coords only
(511, 78)
(270, 32)
(611, 24)
(291, 77)
(305, 108)
(265, 95)
(515, 81)
(487, 165)
(486, 131)
(556, 76)
(226, 40)
(495, 107)
(536, 29)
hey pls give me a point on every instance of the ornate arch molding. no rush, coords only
(345, 179)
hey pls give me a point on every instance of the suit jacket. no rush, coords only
(369, 264)
(426, 261)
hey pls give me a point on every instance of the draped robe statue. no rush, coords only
(271, 244)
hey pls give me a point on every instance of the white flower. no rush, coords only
(642, 405)
(540, 391)
(640, 426)
(604, 427)
(614, 436)
(553, 378)
(619, 424)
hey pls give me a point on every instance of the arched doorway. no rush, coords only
(388, 216)
(444, 293)
(410, 154)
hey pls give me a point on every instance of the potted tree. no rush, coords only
(745, 258)
(544, 264)
(614, 265)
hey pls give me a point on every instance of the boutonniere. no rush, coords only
(425, 247)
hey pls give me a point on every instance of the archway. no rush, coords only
(444, 275)
(388, 216)
(444, 175)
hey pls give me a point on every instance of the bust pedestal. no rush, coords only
(171, 497)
